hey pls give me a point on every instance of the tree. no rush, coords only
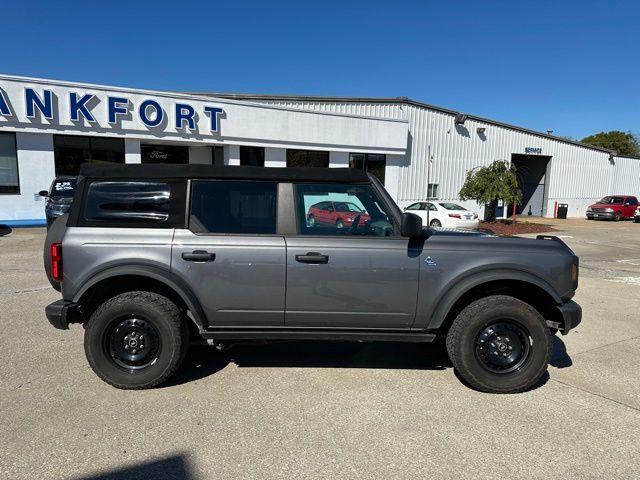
(487, 185)
(625, 143)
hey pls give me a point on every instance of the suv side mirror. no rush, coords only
(43, 193)
(411, 225)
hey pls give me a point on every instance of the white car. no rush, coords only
(444, 214)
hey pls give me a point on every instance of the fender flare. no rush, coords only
(169, 279)
(463, 285)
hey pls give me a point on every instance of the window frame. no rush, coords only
(6, 189)
(189, 202)
(397, 234)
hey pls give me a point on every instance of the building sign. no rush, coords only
(42, 105)
(533, 150)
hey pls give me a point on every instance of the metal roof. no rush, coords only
(403, 100)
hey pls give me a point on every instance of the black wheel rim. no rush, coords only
(132, 343)
(503, 347)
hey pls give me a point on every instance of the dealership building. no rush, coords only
(419, 151)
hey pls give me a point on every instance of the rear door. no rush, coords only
(230, 255)
(361, 276)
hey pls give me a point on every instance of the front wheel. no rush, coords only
(136, 340)
(617, 216)
(500, 344)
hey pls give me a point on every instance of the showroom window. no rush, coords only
(243, 207)
(217, 155)
(369, 162)
(9, 181)
(307, 158)
(252, 156)
(72, 151)
(164, 154)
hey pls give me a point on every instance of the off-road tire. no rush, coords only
(435, 223)
(155, 309)
(464, 333)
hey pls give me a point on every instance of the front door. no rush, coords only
(361, 275)
(231, 256)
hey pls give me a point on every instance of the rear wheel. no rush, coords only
(435, 223)
(500, 344)
(136, 340)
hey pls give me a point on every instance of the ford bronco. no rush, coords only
(151, 258)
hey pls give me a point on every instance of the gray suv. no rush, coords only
(152, 258)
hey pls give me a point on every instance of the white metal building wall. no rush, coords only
(626, 176)
(576, 175)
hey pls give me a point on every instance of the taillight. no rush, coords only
(455, 215)
(56, 261)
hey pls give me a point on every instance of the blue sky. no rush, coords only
(573, 67)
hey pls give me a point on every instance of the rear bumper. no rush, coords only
(61, 313)
(571, 315)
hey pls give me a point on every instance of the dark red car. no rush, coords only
(613, 207)
(337, 214)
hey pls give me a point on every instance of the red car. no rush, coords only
(338, 214)
(613, 207)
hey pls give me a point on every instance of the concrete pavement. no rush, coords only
(320, 410)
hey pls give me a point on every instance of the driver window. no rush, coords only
(356, 210)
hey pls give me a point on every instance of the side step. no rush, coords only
(214, 335)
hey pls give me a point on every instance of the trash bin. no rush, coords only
(563, 208)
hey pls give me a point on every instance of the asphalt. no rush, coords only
(321, 410)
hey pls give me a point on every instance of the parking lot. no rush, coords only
(322, 410)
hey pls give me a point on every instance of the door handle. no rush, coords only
(199, 256)
(312, 257)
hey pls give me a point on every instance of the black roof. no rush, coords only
(160, 171)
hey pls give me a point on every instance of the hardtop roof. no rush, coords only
(229, 172)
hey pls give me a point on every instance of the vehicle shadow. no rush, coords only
(174, 466)
(203, 361)
(559, 356)
(5, 230)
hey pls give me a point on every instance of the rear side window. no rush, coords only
(133, 203)
(233, 207)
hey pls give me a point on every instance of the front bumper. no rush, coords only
(571, 315)
(61, 313)
(604, 215)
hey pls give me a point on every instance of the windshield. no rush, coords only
(63, 187)
(612, 200)
(452, 206)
